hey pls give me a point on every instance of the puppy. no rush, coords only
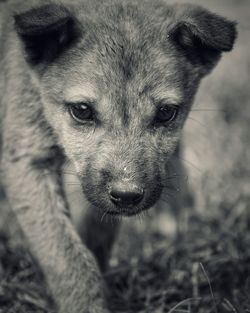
(105, 85)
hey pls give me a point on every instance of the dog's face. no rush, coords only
(117, 84)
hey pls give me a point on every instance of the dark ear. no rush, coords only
(46, 31)
(202, 35)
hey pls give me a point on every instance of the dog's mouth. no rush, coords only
(109, 208)
(123, 203)
(103, 204)
(127, 212)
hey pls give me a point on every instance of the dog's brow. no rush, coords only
(80, 94)
(171, 96)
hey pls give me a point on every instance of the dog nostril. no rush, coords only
(126, 196)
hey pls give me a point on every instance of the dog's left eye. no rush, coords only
(81, 112)
(166, 114)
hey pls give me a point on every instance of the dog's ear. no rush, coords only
(202, 35)
(46, 31)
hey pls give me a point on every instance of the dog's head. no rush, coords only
(117, 81)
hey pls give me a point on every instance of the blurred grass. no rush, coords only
(206, 269)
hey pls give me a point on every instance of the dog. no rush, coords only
(107, 86)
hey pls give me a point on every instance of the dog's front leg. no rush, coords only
(36, 197)
(107, 229)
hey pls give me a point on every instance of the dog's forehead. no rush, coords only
(120, 98)
(124, 37)
(125, 81)
(126, 64)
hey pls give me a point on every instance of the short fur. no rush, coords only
(126, 58)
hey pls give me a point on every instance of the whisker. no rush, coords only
(172, 186)
(68, 173)
(67, 163)
(189, 163)
(169, 195)
(198, 122)
(140, 217)
(172, 177)
(208, 110)
(73, 184)
(104, 215)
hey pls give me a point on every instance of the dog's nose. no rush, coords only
(126, 194)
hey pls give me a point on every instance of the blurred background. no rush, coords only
(201, 262)
(219, 145)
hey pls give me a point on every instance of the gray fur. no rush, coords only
(128, 57)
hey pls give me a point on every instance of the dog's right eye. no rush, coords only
(166, 114)
(81, 112)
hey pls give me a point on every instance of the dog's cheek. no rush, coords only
(92, 164)
(163, 145)
(94, 184)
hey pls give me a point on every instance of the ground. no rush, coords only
(206, 268)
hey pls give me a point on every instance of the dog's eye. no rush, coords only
(166, 114)
(81, 112)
